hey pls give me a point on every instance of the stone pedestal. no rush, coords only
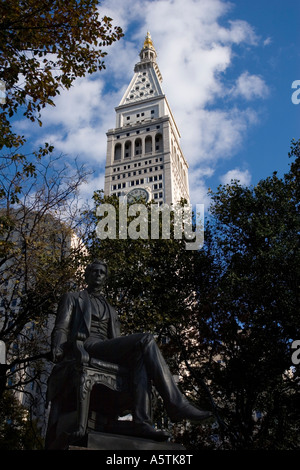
(109, 442)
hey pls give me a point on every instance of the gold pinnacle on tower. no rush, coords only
(148, 44)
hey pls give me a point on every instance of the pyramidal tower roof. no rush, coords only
(147, 79)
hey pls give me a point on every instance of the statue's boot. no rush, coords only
(177, 406)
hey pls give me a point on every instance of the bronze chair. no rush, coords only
(85, 394)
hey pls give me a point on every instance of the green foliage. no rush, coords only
(50, 43)
(44, 46)
(254, 313)
(17, 431)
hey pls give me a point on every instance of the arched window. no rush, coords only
(118, 151)
(148, 144)
(138, 146)
(158, 143)
(128, 149)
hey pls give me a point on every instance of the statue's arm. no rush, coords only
(115, 328)
(61, 329)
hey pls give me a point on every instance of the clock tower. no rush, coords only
(144, 157)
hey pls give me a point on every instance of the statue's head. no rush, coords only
(96, 273)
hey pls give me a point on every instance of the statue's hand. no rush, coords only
(57, 354)
(81, 336)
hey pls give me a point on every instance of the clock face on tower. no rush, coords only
(138, 195)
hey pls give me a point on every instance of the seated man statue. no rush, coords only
(89, 313)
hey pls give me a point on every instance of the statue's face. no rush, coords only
(96, 276)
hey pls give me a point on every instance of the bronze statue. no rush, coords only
(88, 316)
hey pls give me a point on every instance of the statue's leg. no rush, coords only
(142, 393)
(177, 406)
(141, 349)
(159, 372)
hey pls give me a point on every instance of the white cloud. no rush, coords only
(250, 87)
(240, 31)
(78, 123)
(267, 41)
(77, 106)
(243, 176)
(215, 134)
(198, 189)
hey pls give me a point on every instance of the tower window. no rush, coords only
(148, 144)
(137, 147)
(127, 149)
(158, 142)
(118, 150)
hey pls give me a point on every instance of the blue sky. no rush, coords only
(227, 68)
